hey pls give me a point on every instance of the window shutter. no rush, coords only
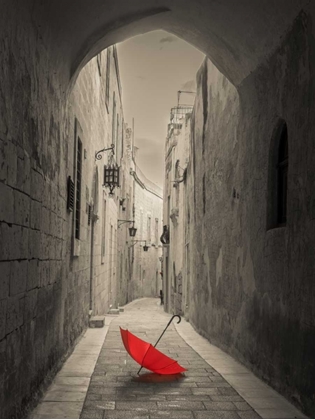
(70, 198)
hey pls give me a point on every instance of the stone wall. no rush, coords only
(95, 115)
(33, 329)
(44, 288)
(252, 288)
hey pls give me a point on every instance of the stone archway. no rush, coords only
(266, 50)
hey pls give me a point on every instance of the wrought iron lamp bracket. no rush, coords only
(122, 221)
(138, 240)
(98, 155)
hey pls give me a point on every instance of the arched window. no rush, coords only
(278, 177)
(282, 172)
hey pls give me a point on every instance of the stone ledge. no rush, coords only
(97, 322)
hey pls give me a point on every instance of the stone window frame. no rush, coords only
(278, 165)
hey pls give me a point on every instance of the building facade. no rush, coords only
(247, 224)
(64, 266)
(146, 248)
(176, 250)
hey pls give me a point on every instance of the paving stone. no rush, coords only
(206, 391)
(181, 405)
(178, 391)
(227, 391)
(184, 385)
(150, 398)
(226, 398)
(136, 405)
(250, 414)
(101, 390)
(123, 414)
(198, 379)
(188, 397)
(213, 384)
(164, 414)
(216, 415)
(219, 406)
(92, 414)
(242, 405)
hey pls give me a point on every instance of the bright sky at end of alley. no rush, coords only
(153, 67)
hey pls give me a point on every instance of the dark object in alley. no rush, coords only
(165, 237)
(162, 297)
(148, 356)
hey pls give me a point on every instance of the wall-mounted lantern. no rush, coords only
(145, 247)
(132, 230)
(111, 170)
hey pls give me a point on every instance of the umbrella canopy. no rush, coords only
(148, 356)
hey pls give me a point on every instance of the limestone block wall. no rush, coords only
(252, 288)
(35, 326)
(94, 113)
(44, 290)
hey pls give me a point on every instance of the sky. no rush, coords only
(153, 68)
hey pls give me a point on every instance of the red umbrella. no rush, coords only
(148, 356)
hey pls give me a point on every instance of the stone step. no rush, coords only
(97, 322)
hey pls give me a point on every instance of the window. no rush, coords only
(278, 177)
(78, 188)
(107, 77)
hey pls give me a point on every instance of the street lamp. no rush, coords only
(145, 247)
(111, 170)
(132, 230)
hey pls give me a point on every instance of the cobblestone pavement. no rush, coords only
(116, 391)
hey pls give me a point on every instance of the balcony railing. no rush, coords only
(178, 112)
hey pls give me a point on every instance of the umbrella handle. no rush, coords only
(169, 323)
(174, 316)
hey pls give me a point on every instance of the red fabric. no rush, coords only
(148, 356)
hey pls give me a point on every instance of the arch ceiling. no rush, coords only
(236, 35)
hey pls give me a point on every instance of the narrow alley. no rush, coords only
(214, 385)
(158, 150)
